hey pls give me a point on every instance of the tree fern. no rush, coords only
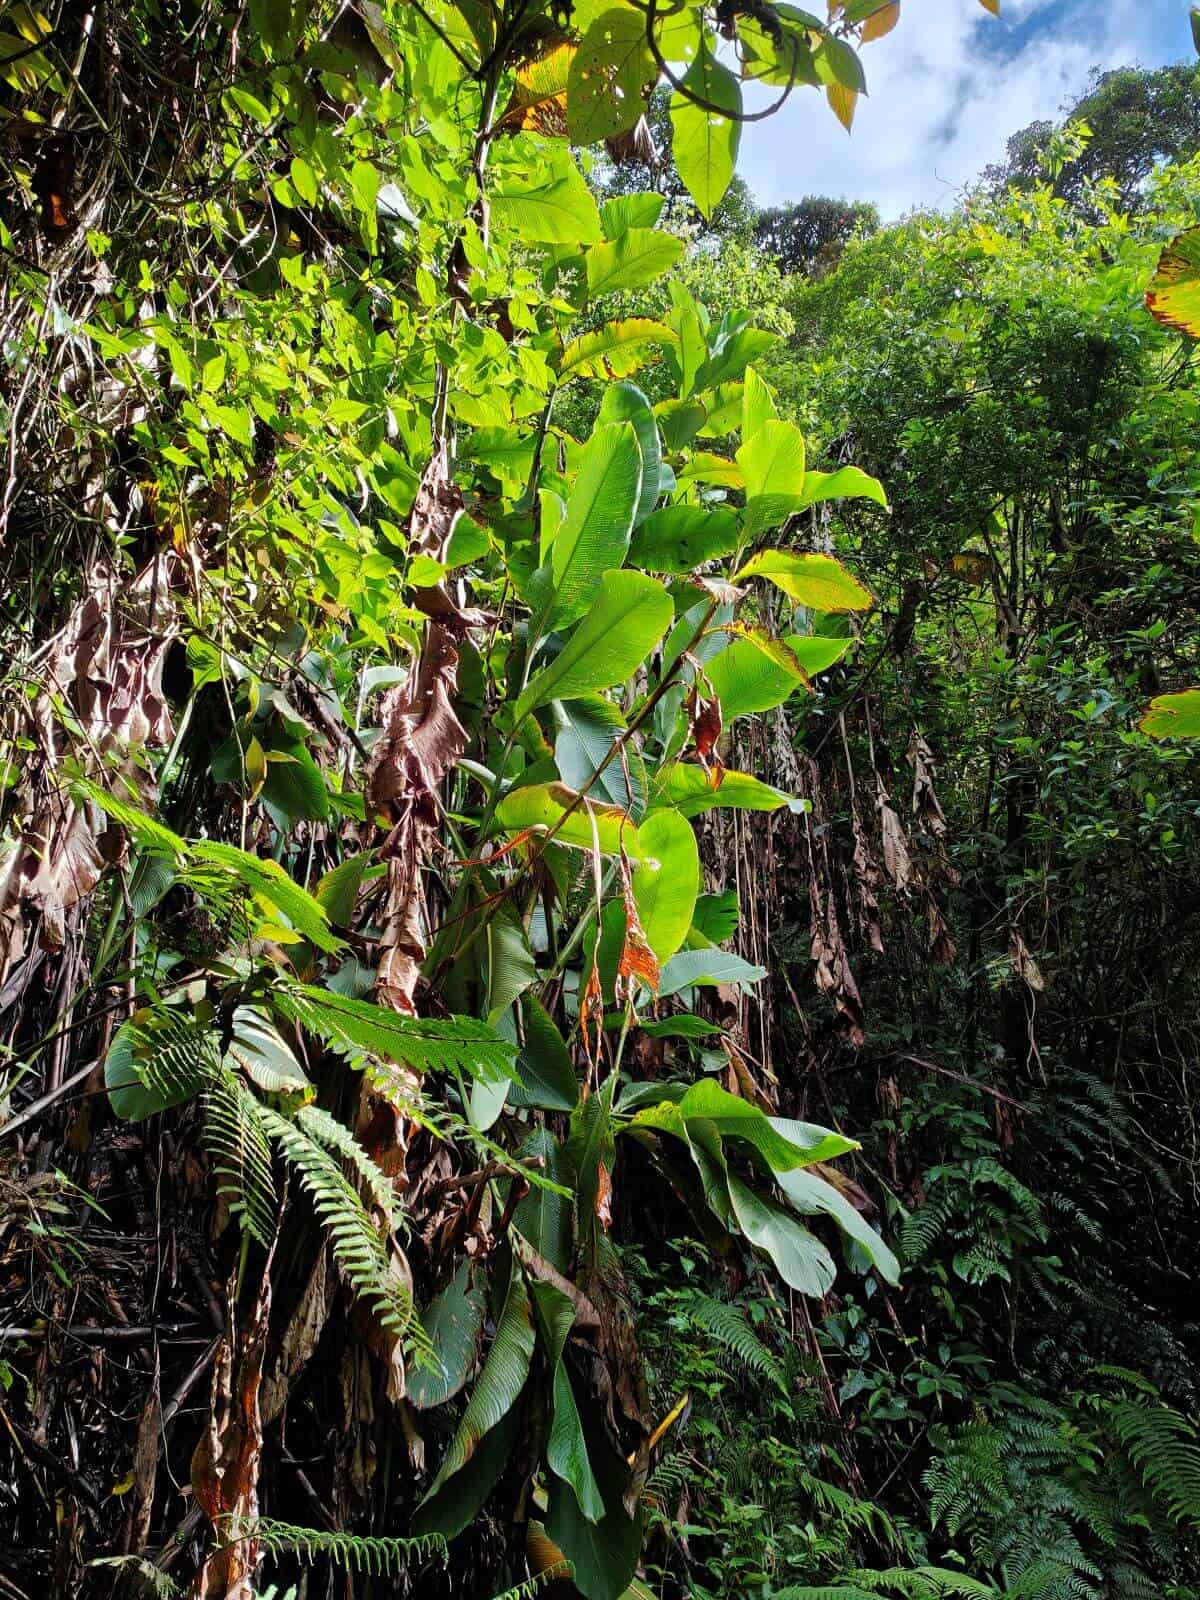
(326, 1130)
(235, 1135)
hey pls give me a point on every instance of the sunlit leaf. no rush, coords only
(817, 581)
(1173, 294)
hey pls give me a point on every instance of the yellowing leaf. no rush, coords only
(539, 97)
(842, 102)
(1173, 294)
(881, 22)
(816, 581)
(1173, 716)
(615, 350)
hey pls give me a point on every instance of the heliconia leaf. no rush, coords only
(591, 726)
(817, 581)
(691, 791)
(682, 538)
(545, 1076)
(810, 1194)
(706, 969)
(800, 1258)
(782, 1143)
(256, 1048)
(615, 350)
(594, 534)
(667, 882)
(612, 74)
(772, 463)
(705, 467)
(566, 1448)
(545, 807)
(499, 1383)
(847, 483)
(630, 615)
(625, 402)
(1173, 716)
(746, 677)
(704, 144)
(634, 259)
(758, 405)
(1173, 294)
(453, 1322)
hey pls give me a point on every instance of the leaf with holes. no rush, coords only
(611, 76)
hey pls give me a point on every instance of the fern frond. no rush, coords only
(235, 1135)
(534, 1586)
(357, 1245)
(375, 1556)
(154, 1582)
(1162, 1445)
(338, 1139)
(458, 1043)
(728, 1326)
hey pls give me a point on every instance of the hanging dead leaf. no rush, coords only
(896, 859)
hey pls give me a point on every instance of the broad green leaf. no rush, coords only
(683, 1026)
(682, 538)
(594, 534)
(706, 968)
(723, 410)
(811, 1194)
(630, 615)
(157, 1060)
(847, 483)
(556, 207)
(611, 76)
(545, 807)
(816, 581)
(603, 1555)
(630, 211)
(679, 421)
(634, 259)
(591, 726)
(801, 1260)
(510, 964)
(452, 1321)
(257, 1048)
(758, 405)
(816, 653)
(625, 402)
(667, 882)
(1173, 716)
(704, 143)
(566, 1448)
(729, 361)
(772, 464)
(747, 678)
(690, 790)
(544, 1218)
(499, 1383)
(705, 467)
(615, 350)
(783, 1143)
(461, 1498)
(715, 918)
(337, 891)
(545, 1075)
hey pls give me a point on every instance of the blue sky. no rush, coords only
(945, 89)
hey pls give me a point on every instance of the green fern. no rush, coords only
(326, 1130)
(728, 1326)
(1162, 1445)
(153, 1582)
(377, 1557)
(235, 1136)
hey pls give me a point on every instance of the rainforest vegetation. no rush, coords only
(599, 831)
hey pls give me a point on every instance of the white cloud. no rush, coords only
(947, 87)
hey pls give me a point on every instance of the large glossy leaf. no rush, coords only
(543, 1217)
(611, 76)
(566, 1448)
(665, 886)
(499, 1383)
(800, 1258)
(682, 538)
(1173, 294)
(748, 678)
(630, 615)
(772, 462)
(257, 1049)
(1173, 716)
(733, 352)
(691, 791)
(156, 1060)
(461, 1498)
(817, 581)
(705, 144)
(548, 807)
(590, 727)
(630, 211)
(783, 1143)
(635, 258)
(452, 1322)
(545, 1075)
(594, 534)
(604, 1554)
(811, 1195)
(705, 967)
(758, 405)
(615, 350)
(510, 971)
(847, 483)
(551, 207)
(625, 402)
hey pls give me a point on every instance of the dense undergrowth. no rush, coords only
(598, 972)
